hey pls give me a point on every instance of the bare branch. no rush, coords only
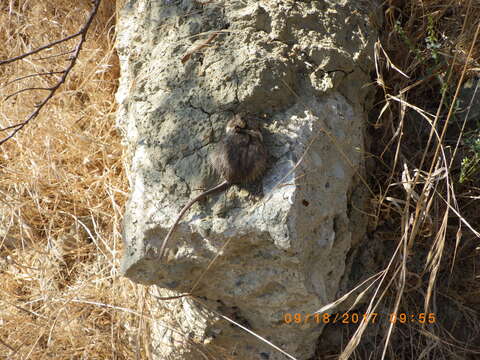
(56, 55)
(19, 57)
(32, 75)
(72, 60)
(12, 126)
(26, 89)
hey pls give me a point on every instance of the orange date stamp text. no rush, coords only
(355, 318)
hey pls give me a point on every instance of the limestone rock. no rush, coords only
(273, 248)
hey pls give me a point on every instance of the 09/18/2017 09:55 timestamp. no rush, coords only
(354, 318)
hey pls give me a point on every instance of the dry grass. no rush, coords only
(429, 220)
(63, 189)
(62, 194)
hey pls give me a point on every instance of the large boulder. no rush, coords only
(259, 252)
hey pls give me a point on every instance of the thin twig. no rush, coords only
(19, 57)
(27, 89)
(32, 75)
(56, 55)
(174, 297)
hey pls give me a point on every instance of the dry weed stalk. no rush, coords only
(429, 192)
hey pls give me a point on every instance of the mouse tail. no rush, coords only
(220, 187)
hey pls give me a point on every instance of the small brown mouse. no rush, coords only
(239, 158)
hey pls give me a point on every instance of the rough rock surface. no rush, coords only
(279, 246)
